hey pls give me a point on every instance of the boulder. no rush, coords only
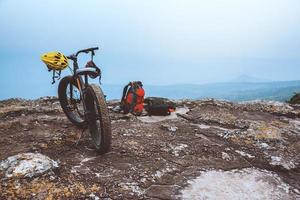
(295, 99)
(26, 165)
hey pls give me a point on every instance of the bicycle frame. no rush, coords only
(78, 73)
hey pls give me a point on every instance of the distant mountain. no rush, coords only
(247, 79)
(232, 91)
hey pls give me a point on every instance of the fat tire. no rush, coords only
(62, 96)
(95, 92)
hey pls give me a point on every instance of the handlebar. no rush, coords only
(87, 50)
(74, 56)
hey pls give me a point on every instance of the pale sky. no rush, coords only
(158, 42)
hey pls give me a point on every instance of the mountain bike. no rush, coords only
(84, 104)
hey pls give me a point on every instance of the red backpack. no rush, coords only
(133, 98)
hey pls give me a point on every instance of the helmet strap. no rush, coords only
(55, 75)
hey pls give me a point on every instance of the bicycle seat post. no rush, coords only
(92, 55)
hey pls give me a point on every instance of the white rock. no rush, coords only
(279, 161)
(160, 173)
(264, 145)
(93, 196)
(296, 125)
(169, 127)
(225, 156)
(246, 184)
(173, 128)
(244, 154)
(133, 186)
(177, 149)
(201, 126)
(116, 109)
(27, 165)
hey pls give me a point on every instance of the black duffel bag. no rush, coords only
(159, 106)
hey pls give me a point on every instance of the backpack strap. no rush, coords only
(125, 90)
(133, 103)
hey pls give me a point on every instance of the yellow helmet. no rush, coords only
(55, 60)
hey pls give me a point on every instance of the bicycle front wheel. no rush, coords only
(98, 118)
(71, 101)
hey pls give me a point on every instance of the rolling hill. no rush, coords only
(232, 91)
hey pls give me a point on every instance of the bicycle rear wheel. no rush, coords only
(98, 118)
(71, 101)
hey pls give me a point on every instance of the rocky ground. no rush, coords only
(207, 150)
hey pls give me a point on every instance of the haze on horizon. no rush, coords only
(157, 42)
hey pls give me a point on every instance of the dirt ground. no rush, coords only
(149, 160)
